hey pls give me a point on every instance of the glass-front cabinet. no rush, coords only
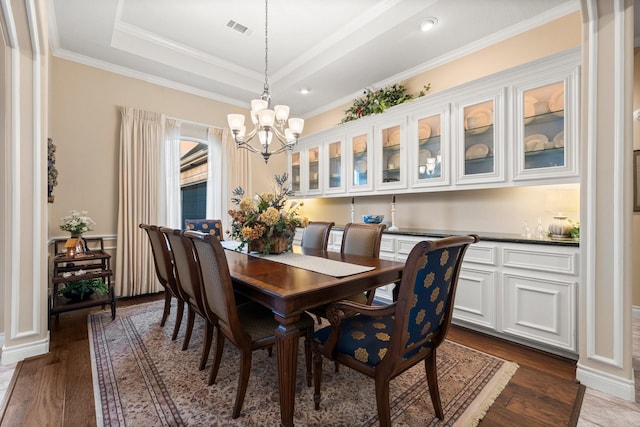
(480, 127)
(334, 173)
(359, 174)
(314, 171)
(391, 141)
(429, 143)
(544, 123)
(295, 171)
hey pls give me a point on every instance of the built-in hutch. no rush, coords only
(514, 128)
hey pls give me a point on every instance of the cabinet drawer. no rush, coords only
(481, 254)
(388, 244)
(552, 261)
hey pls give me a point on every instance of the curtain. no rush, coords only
(235, 169)
(171, 174)
(141, 138)
(214, 178)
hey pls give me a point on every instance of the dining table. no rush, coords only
(288, 290)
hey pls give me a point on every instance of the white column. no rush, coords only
(606, 149)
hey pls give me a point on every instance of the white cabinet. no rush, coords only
(480, 129)
(517, 127)
(525, 293)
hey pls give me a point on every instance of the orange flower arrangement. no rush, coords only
(265, 218)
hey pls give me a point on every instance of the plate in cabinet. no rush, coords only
(477, 151)
(529, 109)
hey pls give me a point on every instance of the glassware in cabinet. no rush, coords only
(313, 168)
(295, 171)
(359, 177)
(390, 153)
(480, 129)
(335, 166)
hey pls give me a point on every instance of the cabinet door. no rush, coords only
(359, 174)
(480, 134)
(334, 161)
(544, 123)
(314, 171)
(295, 172)
(429, 143)
(391, 152)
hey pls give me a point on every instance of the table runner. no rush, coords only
(316, 264)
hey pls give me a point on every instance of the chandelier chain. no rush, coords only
(266, 46)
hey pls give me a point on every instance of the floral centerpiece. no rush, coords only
(77, 223)
(265, 223)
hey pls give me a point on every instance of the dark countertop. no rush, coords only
(484, 236)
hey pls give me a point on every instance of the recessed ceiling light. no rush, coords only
(428, 24)
(304, 90)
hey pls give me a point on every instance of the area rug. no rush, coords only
(142, 378)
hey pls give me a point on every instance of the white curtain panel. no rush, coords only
(170, 175)
(235, 170)
(215, 175)
(141, 139)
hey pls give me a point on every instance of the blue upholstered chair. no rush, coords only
(384, 341)
(206, 226)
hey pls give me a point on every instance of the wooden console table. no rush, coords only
(95, 263)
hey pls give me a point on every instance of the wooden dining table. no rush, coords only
(288, 291)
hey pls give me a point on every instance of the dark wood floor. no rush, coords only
(56, 389)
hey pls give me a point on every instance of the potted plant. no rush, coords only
(78, 290)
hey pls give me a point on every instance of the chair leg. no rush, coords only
(308, 356)
(167, 307)
(187, 335)
(382, 401)
(317, 377)
(179, 313)
(432, 380)
(217, 356)
(243, 381)
(206, 345)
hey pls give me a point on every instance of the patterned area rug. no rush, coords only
(142, 378)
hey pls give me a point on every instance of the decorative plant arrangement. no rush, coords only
(84, 288)
(264, 223)
(77, 223)
(375, 102)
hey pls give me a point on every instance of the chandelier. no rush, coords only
(268, 123)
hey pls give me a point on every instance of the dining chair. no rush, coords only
(166, 275)
(189, 289)
(316, 235)
(249, 326)
(207, 226)
(384, 341)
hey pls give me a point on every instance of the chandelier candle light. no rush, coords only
(267, 122)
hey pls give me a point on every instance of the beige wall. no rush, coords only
(86, 105)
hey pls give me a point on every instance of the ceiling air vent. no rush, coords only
(237, 26)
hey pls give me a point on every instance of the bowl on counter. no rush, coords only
(372, 219)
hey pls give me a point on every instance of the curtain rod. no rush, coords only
(189, 122)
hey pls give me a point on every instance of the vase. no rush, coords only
(279, 244)
(75, 295)
(560, 227)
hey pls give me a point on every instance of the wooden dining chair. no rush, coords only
(249, 326)
(384, 341)
(166, 275)
(189, 289)
(316, 235)
(206, 226)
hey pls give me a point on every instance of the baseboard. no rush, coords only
(635, 311)
(1, 341)
(610, 384)
(17, 353)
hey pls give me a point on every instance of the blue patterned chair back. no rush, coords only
(427, 291)
(206, 226)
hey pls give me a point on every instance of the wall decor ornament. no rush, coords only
(52, 172)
